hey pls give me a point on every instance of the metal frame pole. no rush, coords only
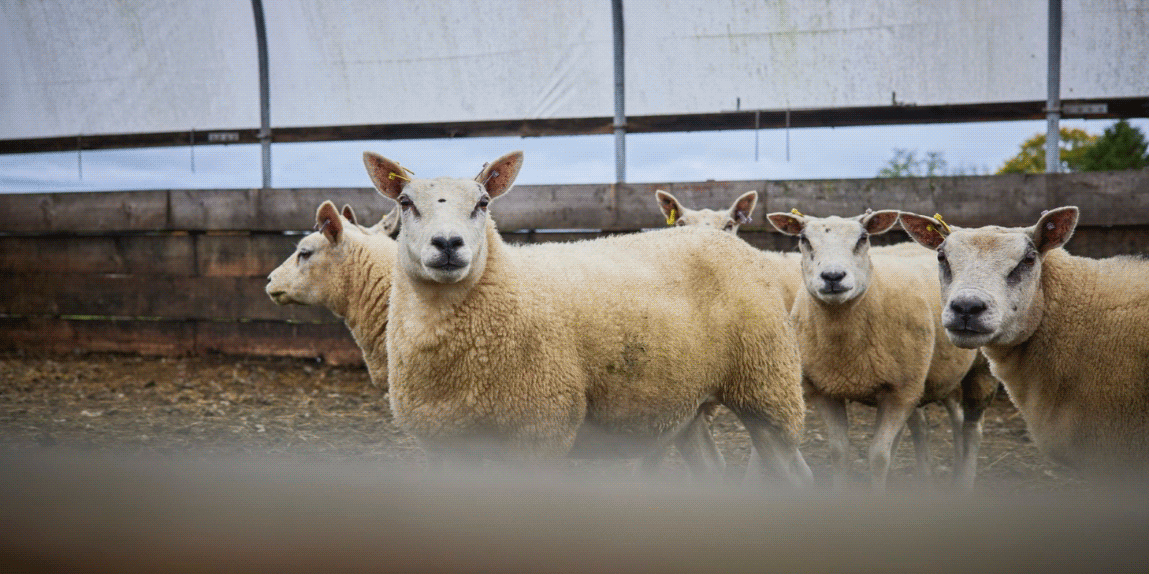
(619, 95)
(1053, 102)
(264, 92)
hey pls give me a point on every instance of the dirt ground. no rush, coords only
(299, 408)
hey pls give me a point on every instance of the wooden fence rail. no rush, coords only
(183, 271)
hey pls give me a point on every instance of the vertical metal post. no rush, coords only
(619, 95)
(1053, 101)
(264, 91)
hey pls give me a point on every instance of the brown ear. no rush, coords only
(349, 214)
(390, 222)
(787, 223)
(876, 222)
(743, 207)
(671, 209)
(328, 223)
(925, 230)
(388, 176)
(1054, 228)
(498, 176)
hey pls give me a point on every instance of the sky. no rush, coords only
(815, 153)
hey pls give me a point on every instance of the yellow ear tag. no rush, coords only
(796, 212)
(394, 175)
(670, 219)
(946, 226)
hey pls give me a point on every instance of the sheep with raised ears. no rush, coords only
(606, 347)
(347, 269)
(1068, 336)
(388, 225)
(869, 331)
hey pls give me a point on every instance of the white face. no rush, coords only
(444, 225)
(991, 276)
(836, 265)
(313, 274)
(989, 280)
(443, 235)
(835, 258)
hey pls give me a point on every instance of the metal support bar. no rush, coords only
(619, 95)
(264, 91)
(1053, 101)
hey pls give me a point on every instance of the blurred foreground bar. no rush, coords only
(102, 514)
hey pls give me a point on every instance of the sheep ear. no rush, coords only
(328, 223)
(743, 207)
(390, 222)
(1054, 228)
(499, 175)
(388, 176)
(925, 230)
(349, 214)
(671, 209)
(876, 222)
(788, 223)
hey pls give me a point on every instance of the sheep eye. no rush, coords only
(304, 254)
(1030, 258)
(941, 256)
(861, 242)
(729, 227)
(680, 223)
(484, 202)
(405, 202)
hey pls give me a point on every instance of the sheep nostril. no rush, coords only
(967, 307)
(833, 276)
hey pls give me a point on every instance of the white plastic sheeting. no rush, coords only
(71, 67)
(140, 66)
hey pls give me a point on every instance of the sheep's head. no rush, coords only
(387, 226)
(444, 220)
(725, 220)
(836, 265)
(312, 275)
(991, 276)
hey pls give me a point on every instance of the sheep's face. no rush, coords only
(312, 274)
(442, 238)
(991, 276)
(836, 265)
(725, 220)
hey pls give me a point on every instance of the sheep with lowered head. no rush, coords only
(869, 331)
(1068, 336)
(607, 347)
(346, 268)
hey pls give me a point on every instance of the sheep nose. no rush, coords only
(447, 244)
(967, 307)
(833, 276)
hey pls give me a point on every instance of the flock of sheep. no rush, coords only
(625, 345)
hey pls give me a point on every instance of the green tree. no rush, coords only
(906, 163)
(1122, 146)
(1031, 159)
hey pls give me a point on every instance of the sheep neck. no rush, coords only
(367, 278)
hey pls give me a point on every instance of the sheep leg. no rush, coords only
(957, 418)
(699, 450)
(834, 414)
(771, 451)
(893, 414)
(965, 474)
(920, 433)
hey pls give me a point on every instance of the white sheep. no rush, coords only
(347, 269)
(728, 221)
(1068, 336)
(607, 347)
(387, 225)
(869, 331)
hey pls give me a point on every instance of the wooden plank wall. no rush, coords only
(183, 271)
